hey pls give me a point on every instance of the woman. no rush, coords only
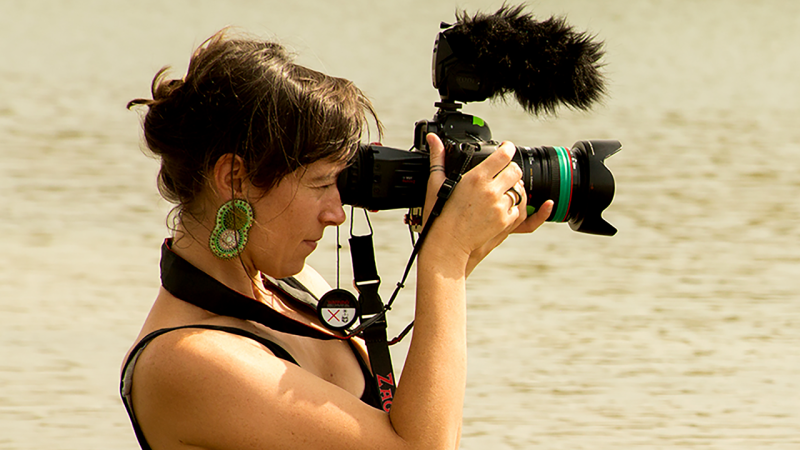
(251, 145)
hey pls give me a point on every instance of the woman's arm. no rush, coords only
(477, 218)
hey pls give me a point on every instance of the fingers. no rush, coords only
(508, 180)
(516, 194)
(498, 181)
(503, 180)
(499, 160)
(488, 204)
(537, 219)
(505, 172)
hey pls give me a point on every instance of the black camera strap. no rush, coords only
(460, 162)
(367, 282)
(190, 284)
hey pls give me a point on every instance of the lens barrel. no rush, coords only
(576, 179)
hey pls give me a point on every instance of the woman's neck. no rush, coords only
(191, 244)
(236, 273)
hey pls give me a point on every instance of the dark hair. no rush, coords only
(248, 97)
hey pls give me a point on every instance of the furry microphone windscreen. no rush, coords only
(543, 64)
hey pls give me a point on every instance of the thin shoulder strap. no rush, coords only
(126, 381)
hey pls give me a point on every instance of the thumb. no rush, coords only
(437, 175)
(436, 149)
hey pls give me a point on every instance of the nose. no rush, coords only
(333, 213)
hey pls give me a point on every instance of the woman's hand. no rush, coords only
(481, 212)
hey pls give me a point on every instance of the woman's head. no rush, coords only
(248, 98)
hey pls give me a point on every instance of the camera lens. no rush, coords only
(549, 173)
(576, 179)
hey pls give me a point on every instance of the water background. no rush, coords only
(683, 331)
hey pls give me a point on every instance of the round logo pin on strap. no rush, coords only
(337, 309)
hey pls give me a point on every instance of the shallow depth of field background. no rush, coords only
(681, 332)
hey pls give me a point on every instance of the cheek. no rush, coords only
(294, 224)
(306, 210)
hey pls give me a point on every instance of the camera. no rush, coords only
(544, 64)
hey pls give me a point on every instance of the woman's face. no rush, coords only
(290, 218)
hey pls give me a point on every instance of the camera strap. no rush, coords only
(190, 284)
(367, 282)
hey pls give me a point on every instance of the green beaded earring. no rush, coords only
(234, 219)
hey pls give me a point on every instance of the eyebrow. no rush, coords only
(322, 179)
(328, 175)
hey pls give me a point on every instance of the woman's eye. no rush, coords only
(325, 186)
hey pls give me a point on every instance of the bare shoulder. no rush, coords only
(185, 379)
(216, 390)
(313, 281)
(182, 349)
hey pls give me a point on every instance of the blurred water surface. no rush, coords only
(680, 332)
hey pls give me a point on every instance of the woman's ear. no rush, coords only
(229, 176)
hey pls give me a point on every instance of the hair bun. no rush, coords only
(161, 89)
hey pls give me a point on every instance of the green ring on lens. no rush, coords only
(565, 186)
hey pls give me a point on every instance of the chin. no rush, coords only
(281, 267)
(288, 269)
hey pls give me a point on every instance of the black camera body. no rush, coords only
(489, 56)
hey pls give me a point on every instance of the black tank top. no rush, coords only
(188, 274)
(370, 395)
